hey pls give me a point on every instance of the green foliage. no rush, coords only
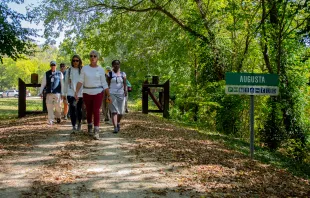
(228, 116)
(297, 150)
(14, 39)
(11, 70)
(193, 43)
(273, 133)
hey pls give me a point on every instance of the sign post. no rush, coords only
(251, 84)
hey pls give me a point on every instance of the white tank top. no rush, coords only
(117, 83)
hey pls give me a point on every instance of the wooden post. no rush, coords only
(145, 102)
(21, 98)
(161, 97)
(166, 99)
(154, 99)
(34, 78)
(44, 102)
(155, 80)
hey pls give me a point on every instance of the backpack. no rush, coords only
(129, 88)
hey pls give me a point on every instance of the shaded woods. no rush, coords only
(193, 43)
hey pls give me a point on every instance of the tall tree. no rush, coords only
(284, 24)
(14, 39)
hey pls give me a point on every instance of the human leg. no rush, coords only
(50, 109)
(121, 104)
(71, 101)
(89, 107)
(79, 113)
(57, 105)
(88, 101)
(84, 113)
(79, 108)
(97, 101)
(66, 108)
(126, 104)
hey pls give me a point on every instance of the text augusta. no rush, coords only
(252, 79)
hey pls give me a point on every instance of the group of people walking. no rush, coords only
(89, 85)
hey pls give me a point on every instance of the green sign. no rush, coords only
(251, 79)
(252, 84)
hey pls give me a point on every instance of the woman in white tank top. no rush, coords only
(118, 91)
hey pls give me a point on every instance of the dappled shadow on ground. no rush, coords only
(209, 166)
(42, 161)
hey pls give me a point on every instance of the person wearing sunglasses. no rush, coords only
(94, 87)
(72, 77)
(52, 82)
(64, 98)
(118, 90)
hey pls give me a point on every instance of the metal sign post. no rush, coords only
(252, 126)
(251, 84)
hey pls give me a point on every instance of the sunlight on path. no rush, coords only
(64, 165)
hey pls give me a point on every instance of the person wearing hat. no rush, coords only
(105, 106)
(53, 83)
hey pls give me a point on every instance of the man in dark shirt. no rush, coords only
(53, 83)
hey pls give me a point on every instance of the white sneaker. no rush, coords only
(50, 122)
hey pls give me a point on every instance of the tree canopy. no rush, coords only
(14, 39)
(193, 43)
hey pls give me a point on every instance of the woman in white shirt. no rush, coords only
(94, 87)
(75, 105)
(118, 90)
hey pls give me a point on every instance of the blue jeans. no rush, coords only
(75, 109)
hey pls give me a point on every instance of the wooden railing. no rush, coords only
(22, 109)
(162, 102)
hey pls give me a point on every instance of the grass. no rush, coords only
(9, 107)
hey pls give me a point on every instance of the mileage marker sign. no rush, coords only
(252, 84)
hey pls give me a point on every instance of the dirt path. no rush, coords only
(50, 162)
(149, 158)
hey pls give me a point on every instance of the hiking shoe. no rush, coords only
(115, 130)
(96, 134)
(89, 129)
(73, 130)
(58, 120)
(126, 111)
(79, 127)
(106, 120)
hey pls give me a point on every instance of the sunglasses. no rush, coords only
(53, 65)
(91, 56)
(75, 60)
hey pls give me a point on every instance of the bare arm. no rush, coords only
(125, 85)
(78, 87)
